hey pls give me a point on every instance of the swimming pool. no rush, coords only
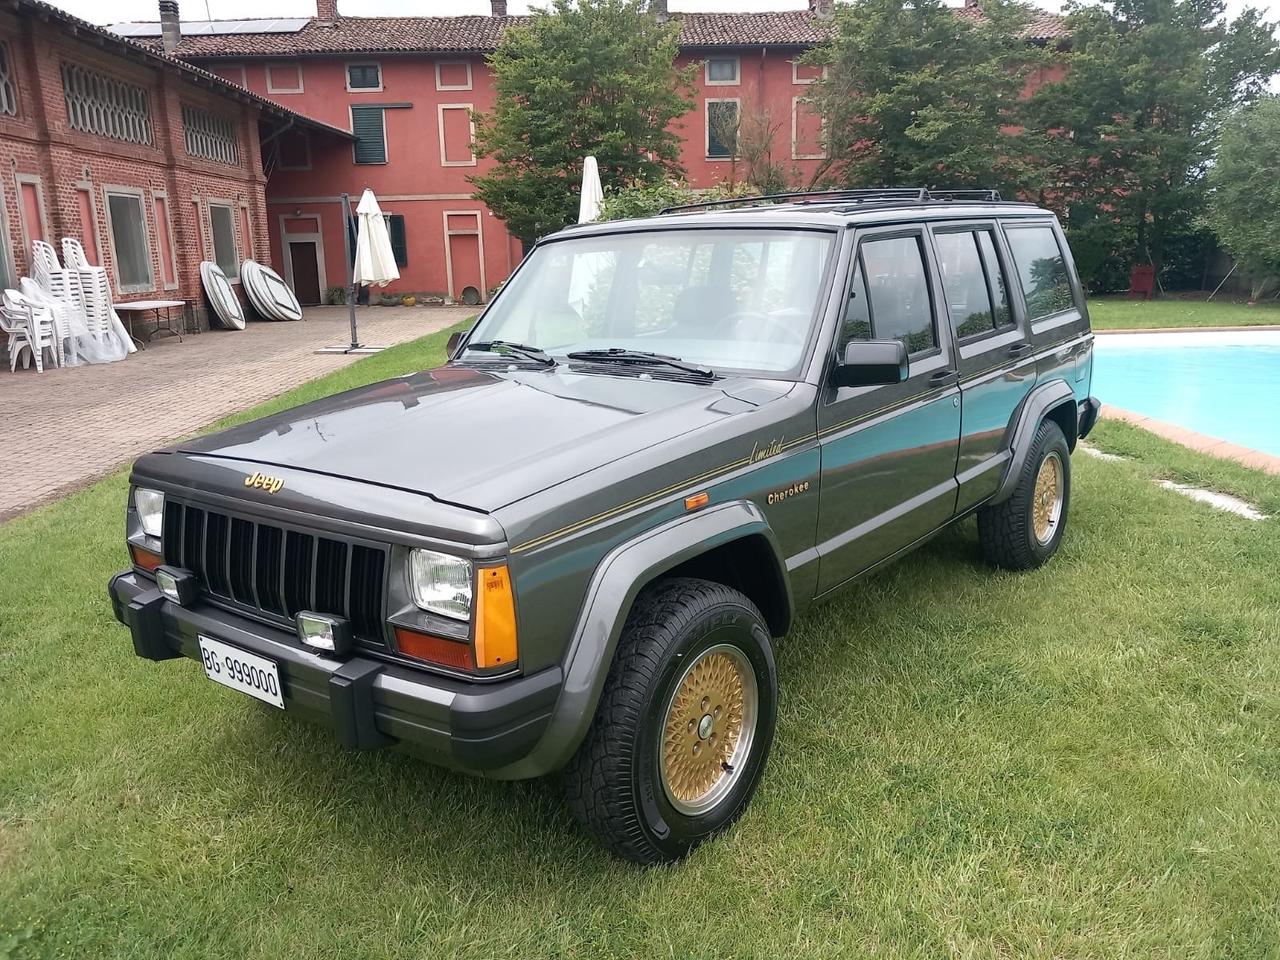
(1224, 384)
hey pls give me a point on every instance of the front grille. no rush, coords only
(276, 571)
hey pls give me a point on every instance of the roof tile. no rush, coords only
(480, 34)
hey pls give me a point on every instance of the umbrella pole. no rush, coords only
(351, 268)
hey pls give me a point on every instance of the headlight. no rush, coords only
(150, 507)
(441, 583)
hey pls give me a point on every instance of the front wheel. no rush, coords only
(1023, 532)
(684, 725)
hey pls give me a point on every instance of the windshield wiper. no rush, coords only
(640, 357)
(507, 347)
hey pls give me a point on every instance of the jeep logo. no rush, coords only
(263, 482)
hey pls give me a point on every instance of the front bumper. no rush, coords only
(480, 728)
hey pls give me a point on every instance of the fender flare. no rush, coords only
(1022, 430)
(618, 579)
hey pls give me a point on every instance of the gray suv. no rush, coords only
(574, 545)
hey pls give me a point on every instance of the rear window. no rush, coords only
(1041, 270)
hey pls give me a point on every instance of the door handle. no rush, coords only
(1019, 350)
(942, 378)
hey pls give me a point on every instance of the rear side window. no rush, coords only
(973, 282)
(1041, 270)
(896, 305)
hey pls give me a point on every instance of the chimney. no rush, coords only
(327, 11)
(170, 31)
(498, 7)
(822, 8)
(659, 9)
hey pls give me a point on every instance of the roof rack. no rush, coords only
(863, 195)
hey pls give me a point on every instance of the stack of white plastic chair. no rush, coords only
(29, 326)
(64, 287)
(95, 293)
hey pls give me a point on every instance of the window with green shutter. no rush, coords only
(364, 76)
(370, 133)
(395, 228)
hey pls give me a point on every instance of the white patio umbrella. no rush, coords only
(374, 262)
(592, 194)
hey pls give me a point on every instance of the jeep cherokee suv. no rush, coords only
(574, 545)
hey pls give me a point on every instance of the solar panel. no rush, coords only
(213, 28)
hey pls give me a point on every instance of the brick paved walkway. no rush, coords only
(65, 428)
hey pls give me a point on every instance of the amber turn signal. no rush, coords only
(495, 618)
(144, 558)
(697, 500)
(437, 650)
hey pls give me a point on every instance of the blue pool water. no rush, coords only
(1229, 390)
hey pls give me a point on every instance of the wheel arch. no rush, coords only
(698, 544)
(1054, 400)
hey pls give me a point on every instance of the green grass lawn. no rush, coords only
(1120, 313)
(1079, 762)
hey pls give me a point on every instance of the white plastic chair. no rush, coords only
(95, 294)
(30, 326)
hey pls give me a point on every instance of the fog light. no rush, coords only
(321, 631)
(178, 585)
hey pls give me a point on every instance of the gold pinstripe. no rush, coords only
(650, 497)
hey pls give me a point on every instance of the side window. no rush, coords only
(897, 293)
(857, 312)
(995, 273)
(1041, 270)
(965, 283)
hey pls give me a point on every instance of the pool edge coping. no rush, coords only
(1201, 442)
(1188, 329)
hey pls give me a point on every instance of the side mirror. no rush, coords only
(871, 363)
(451, 345)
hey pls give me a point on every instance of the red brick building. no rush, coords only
(163, 144)
(153, 163)
(406, 86)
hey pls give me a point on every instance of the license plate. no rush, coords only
(240, 670)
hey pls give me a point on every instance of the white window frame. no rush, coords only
(737, 72)
(10, 80)
(6, 241)
(706, 127)
(795, 131)
(351, 125)
(441, 85)
(801, 81)
(278, 64)
(157, 195)
(346, 75)
(232, 209)
(21, 180)
(108, 191)
(478, 232)
(306, 139)
(86, 187)
(471, 126)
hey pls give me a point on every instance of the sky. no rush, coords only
(113, 11)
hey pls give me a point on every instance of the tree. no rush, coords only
(583, 77)
(915, 95)
(1244, 200)
(1127, 135)
(750, 134)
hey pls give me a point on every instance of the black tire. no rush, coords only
(1007, 530)
(615, 784)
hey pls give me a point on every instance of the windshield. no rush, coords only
(739, 300)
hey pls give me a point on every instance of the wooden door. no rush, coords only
(306, 272)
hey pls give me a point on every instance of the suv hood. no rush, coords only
(482, 439)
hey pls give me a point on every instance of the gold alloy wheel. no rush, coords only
(708, 729)
(1046, 502)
